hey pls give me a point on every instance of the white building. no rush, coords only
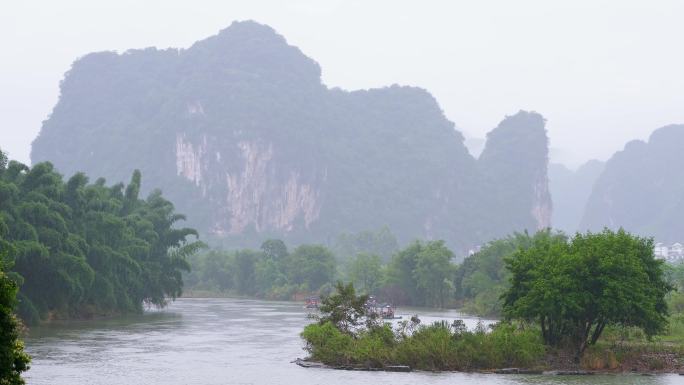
(671, 254)
(661, 250)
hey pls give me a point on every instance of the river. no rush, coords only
(228, 341)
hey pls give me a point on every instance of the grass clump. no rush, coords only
(439, 346)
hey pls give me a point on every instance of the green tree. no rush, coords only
(245, 271)
(421, 274)
(401, 285)
(483, 277)
(573, 290)
(365, 271)
(381, 243)
(274, 249)
(344, 309)
(433, 272)
(85, 249)
(311, 266)
(13, 360)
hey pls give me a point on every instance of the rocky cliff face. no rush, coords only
(240, 132)
(640, 189)
(514, 164)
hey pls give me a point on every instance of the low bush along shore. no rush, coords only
(450, 347)
(346, 335)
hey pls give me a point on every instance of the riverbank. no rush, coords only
(443, 347)
(635, 361)
(557, 372)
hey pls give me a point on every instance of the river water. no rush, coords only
(228, 341)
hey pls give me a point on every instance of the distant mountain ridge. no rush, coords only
(641, 188)
(570, 191)
(240, 132)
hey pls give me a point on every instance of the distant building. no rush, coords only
(671, 254)
(661, 250)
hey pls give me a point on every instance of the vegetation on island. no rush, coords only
(560, 296)
(346, 336)
(80, 249)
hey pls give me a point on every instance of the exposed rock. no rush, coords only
(239, 131)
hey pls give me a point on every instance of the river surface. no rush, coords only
(229, 341)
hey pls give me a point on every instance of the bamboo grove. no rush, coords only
(82, 249)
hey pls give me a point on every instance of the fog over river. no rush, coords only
(228, 341)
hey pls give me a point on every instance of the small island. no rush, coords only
(593, 302)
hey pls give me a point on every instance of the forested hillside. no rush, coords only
(640, 188)
(80, 249)
(240, 132)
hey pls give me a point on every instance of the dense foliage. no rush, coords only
(13, 360)
(341, 339)
(239, 130)
(343, 309)
(483, 277)
(381, 243)
(85, 249)
(420, 274)
(574, 289)
(271, 272)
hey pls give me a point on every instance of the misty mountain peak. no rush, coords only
(522, 120)
(251, 47)
(239, 131)
(667, 136)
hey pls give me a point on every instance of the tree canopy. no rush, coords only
(84, 249)
(13, 360)
(574, 289)
(344, 309)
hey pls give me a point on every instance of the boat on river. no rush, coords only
(312, 303)
(381, 310)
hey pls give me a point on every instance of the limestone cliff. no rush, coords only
(240, 132)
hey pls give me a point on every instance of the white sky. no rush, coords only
(601, 72)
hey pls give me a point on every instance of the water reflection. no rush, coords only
(227, 341)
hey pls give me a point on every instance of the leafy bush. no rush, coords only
(434, 347)
(326, 343)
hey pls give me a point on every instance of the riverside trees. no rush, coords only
(420, 274)
(83, 249)
(562, 293)
(574, 289)
(13, 360)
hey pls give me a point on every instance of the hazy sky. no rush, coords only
(601, 72)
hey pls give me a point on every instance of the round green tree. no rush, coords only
(574, 289)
